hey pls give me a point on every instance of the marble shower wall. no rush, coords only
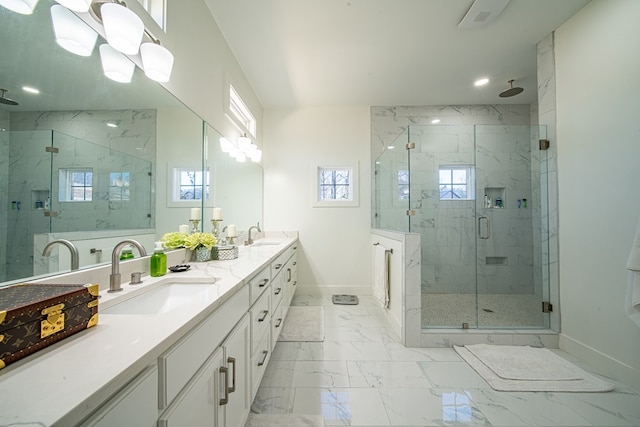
(128, 148)
(505, 162)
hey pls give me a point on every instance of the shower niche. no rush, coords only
(495, 197)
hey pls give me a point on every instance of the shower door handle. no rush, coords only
(488, 227)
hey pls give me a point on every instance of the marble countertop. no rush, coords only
(66, 382)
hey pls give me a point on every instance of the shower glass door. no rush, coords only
(479, 197)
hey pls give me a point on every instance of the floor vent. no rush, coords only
(345, 299)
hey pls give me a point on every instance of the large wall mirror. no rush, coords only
(86, 154)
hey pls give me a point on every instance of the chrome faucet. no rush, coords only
(75, 258)
(249, 239)
(115, 282)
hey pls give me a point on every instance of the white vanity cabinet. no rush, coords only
(209, 366)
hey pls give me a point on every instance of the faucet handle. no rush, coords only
(136, 278)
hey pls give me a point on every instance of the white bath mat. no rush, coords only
(523, 368)
(303, 323)
(284, 420)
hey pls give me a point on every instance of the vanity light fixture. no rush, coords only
(123, 28)
(76, 5)
(71, 32)
(157, 61)
(24, 7)
(242, 150)
(115, 65)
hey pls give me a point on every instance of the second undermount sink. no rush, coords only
(265, 243)
(163, 299)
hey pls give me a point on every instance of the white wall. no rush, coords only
(598, 105)
(335, 254)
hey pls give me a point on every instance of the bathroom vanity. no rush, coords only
(173, 351)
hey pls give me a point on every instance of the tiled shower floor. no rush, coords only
(494, 310)
(361, 375)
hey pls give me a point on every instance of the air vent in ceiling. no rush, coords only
(482, 13)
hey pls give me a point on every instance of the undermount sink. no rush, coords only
(163, 299)
(265, 243)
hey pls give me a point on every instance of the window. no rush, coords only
(119, 183)
(336, 186)
(241, 112)
(76, 185)
(188, 184)
(403, 185)
(155, 9)
(456, 183)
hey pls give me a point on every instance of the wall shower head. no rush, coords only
(512, 91)
(4, 99)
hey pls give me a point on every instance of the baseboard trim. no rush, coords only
(602, 363)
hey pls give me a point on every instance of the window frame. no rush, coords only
(469, 183)
(352, 201)
(238, 111)
(173, 189)
(65, 187)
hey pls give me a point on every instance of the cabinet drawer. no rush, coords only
(259, 361)
(136, 404)
(277, 289)
(260, 317)
(181, 362)
(277, 265)
(277, 322)
(258, 284)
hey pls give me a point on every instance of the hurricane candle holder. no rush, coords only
(216, 227)
(195, 223)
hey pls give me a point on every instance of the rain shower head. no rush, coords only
(512, 91)
(4, 99)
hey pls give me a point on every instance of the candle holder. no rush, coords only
(216, 227)
(231, 240)
(194, 225)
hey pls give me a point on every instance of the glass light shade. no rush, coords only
(123, 28)
(256, 156)
(24, 7)
(76, 5)
(157, 61)
(71, 32)
(115, 65)
(244, 143)
(241, 157)
(225, 145)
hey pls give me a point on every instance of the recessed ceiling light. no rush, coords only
(112, 125)
(435, 121)
(481, 82)
(391, 147)
(30, 89)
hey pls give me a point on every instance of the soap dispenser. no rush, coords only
(158, 265)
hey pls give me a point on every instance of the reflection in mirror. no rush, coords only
(236, 186)
(99, 187)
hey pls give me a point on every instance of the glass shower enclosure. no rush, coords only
(477, 195)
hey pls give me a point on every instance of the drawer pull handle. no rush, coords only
(264, 315)
(232, 360)
(295, 282)
(289, 275)
(225, 399)
(264, 357)
(278, 266)
(278, 323)
(277, 292)
(295, 263)
(263, 283)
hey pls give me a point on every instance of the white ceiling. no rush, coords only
(385, 52)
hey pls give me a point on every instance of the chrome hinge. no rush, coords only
(544, 144)
(53, 150)
(547, 307)
(410, 145)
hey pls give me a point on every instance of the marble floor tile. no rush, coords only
(362, 376)
(342, 406)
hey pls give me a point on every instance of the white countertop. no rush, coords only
(66, 382)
